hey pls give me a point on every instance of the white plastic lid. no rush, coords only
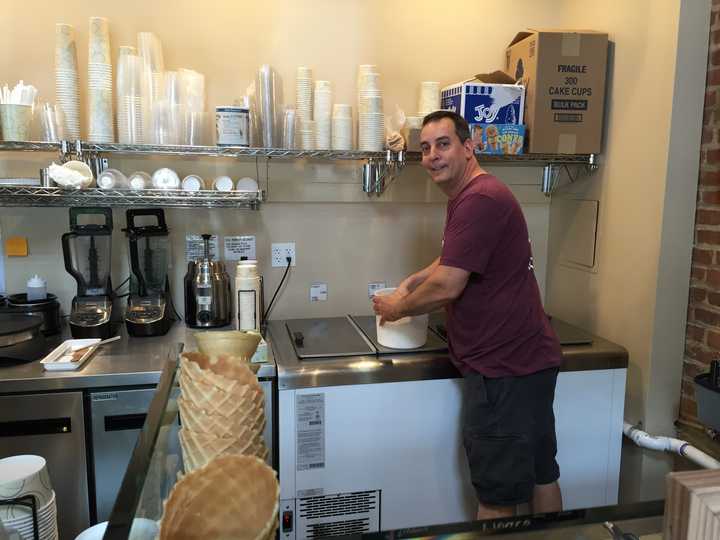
(36, 281)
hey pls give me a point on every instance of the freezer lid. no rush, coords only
(366, 323)
(326, 338)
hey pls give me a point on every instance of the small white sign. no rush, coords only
(375, 286)
(237, 247)
(195, 247)
(318, 292)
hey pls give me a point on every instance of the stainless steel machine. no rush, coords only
(208, 301)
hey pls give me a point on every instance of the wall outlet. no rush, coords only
(279, 252)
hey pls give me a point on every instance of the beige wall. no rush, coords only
(342, 237)
(637, 293)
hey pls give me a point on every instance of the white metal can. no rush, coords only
(232, 125)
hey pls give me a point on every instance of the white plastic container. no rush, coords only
(248, 296)
(36, 289)
(405, 333)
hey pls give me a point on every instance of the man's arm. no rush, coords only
(442, 285)
(410, 283)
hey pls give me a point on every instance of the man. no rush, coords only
(499, 336)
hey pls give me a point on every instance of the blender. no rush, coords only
(147, 311)
(87, 251)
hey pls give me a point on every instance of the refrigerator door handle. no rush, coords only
(124, 422)
(45, 426)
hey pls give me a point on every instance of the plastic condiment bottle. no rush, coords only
(36, 288)
(248, 293)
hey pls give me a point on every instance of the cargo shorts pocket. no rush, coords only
(501, 468)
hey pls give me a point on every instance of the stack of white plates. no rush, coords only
(342, 127)
(303, 104)
(322, 113)
(66, 79)
(21, 476)
(429, 100)
(371, 120)
(100, 114)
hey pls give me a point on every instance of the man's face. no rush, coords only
(443, 155)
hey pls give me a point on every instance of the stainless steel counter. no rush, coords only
(407, 366)
(128, 362)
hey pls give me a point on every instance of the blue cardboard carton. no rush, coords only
(498, 138)
(485, 103)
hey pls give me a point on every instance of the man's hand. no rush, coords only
(388, 306)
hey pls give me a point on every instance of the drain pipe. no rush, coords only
(671, 445)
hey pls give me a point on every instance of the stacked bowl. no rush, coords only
(322, 114)
(67, 93)
(222, 408)
(342, 127)
(100, 113)
(230, 497)
(371, 121)
(24, 476)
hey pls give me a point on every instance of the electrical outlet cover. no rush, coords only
(279, 252)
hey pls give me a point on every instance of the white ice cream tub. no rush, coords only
(405, 333)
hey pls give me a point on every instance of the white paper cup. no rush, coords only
(405, 333)
(21, 476)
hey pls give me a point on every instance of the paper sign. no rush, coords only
(237, 247)
(195, 247)
(318, 292)
(375, 286)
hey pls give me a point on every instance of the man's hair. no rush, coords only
(461, 126)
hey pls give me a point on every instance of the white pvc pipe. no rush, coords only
(670, 445)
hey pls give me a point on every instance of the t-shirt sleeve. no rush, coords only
(472, 233)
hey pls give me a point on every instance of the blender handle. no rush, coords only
(158, 213)
(75, 212)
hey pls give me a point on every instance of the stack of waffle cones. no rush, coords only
(222, 409)
(230, 497)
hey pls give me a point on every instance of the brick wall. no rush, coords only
(702, 337)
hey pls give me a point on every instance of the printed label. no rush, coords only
(310, 431)
(195, 247)
(237, 247)
(105, 396)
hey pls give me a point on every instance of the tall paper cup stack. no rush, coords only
(67, 93)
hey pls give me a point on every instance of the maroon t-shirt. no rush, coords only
(497, 326)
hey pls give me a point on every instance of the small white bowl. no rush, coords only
(247, 184)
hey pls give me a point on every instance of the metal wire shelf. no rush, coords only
(282, 153)
(42, 196)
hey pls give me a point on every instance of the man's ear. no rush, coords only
(469, 145)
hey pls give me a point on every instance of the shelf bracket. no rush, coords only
(551, 173)
(378, 174)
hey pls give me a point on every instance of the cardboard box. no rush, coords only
(485, 103)
(498, 138)
(564, 76)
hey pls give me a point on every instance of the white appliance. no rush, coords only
(357, 457)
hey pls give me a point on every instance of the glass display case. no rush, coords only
(157, 463)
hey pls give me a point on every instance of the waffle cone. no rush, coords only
(232, 343)
(200, 448)
(216, 401)
(223, 371)
(231, 497)
(196, 419)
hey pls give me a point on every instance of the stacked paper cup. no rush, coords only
(429, 100)
(129, 91)
(66, 79)
(304, 107)
(342, 127)
(322, 108)
(222, 409)
(100, 114)
(371, 121)
(21, 476)
(150, 50)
